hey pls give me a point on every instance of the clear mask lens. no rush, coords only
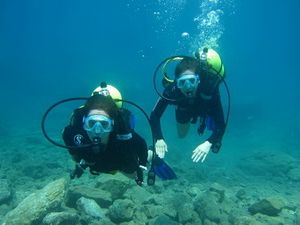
(187, 81)
(98, 124)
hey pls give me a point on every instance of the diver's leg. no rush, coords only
(183, 119)
(182, 129)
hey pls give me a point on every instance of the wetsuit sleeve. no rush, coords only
(68, 137)
(155, 116)
(216, 113)
(74, 133)
(140, 146)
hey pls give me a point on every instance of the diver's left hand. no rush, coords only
(139, 182)
(139, 179)
(77, 172)
(201, 151)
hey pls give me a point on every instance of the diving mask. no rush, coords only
(98, 124)
(189, 81)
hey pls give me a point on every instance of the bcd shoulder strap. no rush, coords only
(126, 125)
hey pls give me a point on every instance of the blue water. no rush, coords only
(50, 50)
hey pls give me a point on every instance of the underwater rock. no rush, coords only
(103, 198)
(170, 211)
(137, 194)
(90, 208)
(297, 217)
(35, 171)
(193, 191)
(270, 206)
(177, 200)
(152, 211)
(261, 219)
(196, 222)
(121, 211)
(209, 207)
(17, 157)
(130, 223)
(163, 220)
(166, 203)
(268, 163)
(208, 222)
(241, 194)
(5, 191)
(238, 219)
(219, 189)
(35, 206)
(61, 218)
(103, 221)
(114, 186)
(139, 216)
(156, 199)
(186, 213)
(294, 174)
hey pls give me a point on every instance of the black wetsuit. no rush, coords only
(120, 154)
(189, 110)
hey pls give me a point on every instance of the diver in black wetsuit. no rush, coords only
(195, 93)
(112, 144)
(101, 137)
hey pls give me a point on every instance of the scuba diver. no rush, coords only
(101, 137)
(194, 92)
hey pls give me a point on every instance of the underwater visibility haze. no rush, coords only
(52, 50)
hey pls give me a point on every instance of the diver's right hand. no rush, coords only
(161, 148)
(77, 172)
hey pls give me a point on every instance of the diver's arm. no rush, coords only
(216, 112)
(68, 137)
(155, 116)
(213, 143)
(140, 145)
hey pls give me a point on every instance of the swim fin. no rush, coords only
(162, 169)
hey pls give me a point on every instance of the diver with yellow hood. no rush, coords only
(101, 137)
(194, 91)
